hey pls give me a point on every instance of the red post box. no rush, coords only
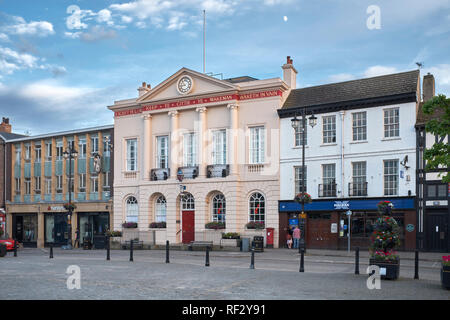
(269, 237)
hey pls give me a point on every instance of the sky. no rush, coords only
(63, 62)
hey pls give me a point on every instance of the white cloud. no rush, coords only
(126, 19)
(218, 6)
(341, 77)
(176, 22)
(378, 71)
(72, 35)
(441, 74)
(21, 27)
(74, 21)
(11, 61)
(143, 9)
(105, 16)
(4, 37)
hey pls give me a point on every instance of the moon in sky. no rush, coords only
(285, 18)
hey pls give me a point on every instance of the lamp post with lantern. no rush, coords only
(300, 124)
(70, 154)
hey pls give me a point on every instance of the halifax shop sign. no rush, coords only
(352, 204)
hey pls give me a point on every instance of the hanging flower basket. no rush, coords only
(303, 197)
(385, 207)
(114, 233)
(129, 225)
(70, 206)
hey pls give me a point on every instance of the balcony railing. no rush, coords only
(327, 190)
(217, 170)
(358, 189)
(159, 174)
(189, 172)
(130, 174)
(255, 168)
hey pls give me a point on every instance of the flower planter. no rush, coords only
(388, 270)
(445, 277)
(230, 242)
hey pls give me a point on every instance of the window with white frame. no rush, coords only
(82, 182)
(299, 132)
(300, 180)
(219, 146)
(48, 185)
(162, 152)
(257, 145)
(37, 153)
(329, 129)
(27, 185)
(48, 151)
(94, 184)
(160, 209)
(27, 152)
(105, 180)
(59, 183)
(359, 126)
(219, 207)
(257, 207)
(132, 209)
(37, 184)
(190, 149)
(17, 185)
(391, 123)
(390, 177)
(94, 145)
(187, 202)
(59, 150)
(82, 148)
(359, 185)
(18, 154)
(131, 155)
(328, 180)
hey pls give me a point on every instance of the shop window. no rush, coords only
(219, 208)
(362, 224)
(257, 206)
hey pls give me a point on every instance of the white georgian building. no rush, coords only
(222, 135)
(362, 151)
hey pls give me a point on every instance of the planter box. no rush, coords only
(388, 271)
(445, 277)
(230, 242)
(212, 235)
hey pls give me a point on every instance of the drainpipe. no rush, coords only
(342, 114)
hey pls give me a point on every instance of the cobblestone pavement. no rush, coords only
(32, 275)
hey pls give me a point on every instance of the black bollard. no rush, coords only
(252, 261)
(416, 266)
(15, 247)
(107, 249)
(131, 250)
(357, 261)
(302, 261)
(207, 257)
(51, 251)
(167, 252)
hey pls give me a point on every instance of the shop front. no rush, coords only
(93, 227)
(25, 228)
(56, 229)
(328, 226)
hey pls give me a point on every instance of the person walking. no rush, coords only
(289, 241)
(77, 239)
(296, 236)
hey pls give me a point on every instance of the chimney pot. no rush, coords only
(428, 87)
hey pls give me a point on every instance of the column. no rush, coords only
(174, 148)
(41, 235)
(201, 142)
(232, 138)
(147, 146)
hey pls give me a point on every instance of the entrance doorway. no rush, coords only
(187, 218)
(437, 232)
(56, 228)
(318, 231)
(25, 229)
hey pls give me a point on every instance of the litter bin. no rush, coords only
(258, 243)
(245, 244)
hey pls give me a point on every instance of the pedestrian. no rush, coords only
(289, 240)
(77, 239)
(296, 236)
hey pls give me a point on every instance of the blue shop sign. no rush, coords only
(357, 204)
(293, 222)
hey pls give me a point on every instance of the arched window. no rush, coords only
(257, 206)
(218, 208)
(132, 209)
(188, 202)
(160, 209)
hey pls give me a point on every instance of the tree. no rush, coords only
(438, 156)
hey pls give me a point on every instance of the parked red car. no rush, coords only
(9, 242)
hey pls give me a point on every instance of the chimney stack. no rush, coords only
(5, 126)
(428, 87)
(290, 73)
(144, 88)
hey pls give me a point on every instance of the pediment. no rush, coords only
(201, 84)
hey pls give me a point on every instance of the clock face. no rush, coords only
(184, 85)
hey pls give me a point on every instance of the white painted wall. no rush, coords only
(374, 150)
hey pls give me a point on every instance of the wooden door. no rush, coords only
(284, 225)
(318, 232)
(188, 226)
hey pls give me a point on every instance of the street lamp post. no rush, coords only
(296, 125)
(70, 154)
